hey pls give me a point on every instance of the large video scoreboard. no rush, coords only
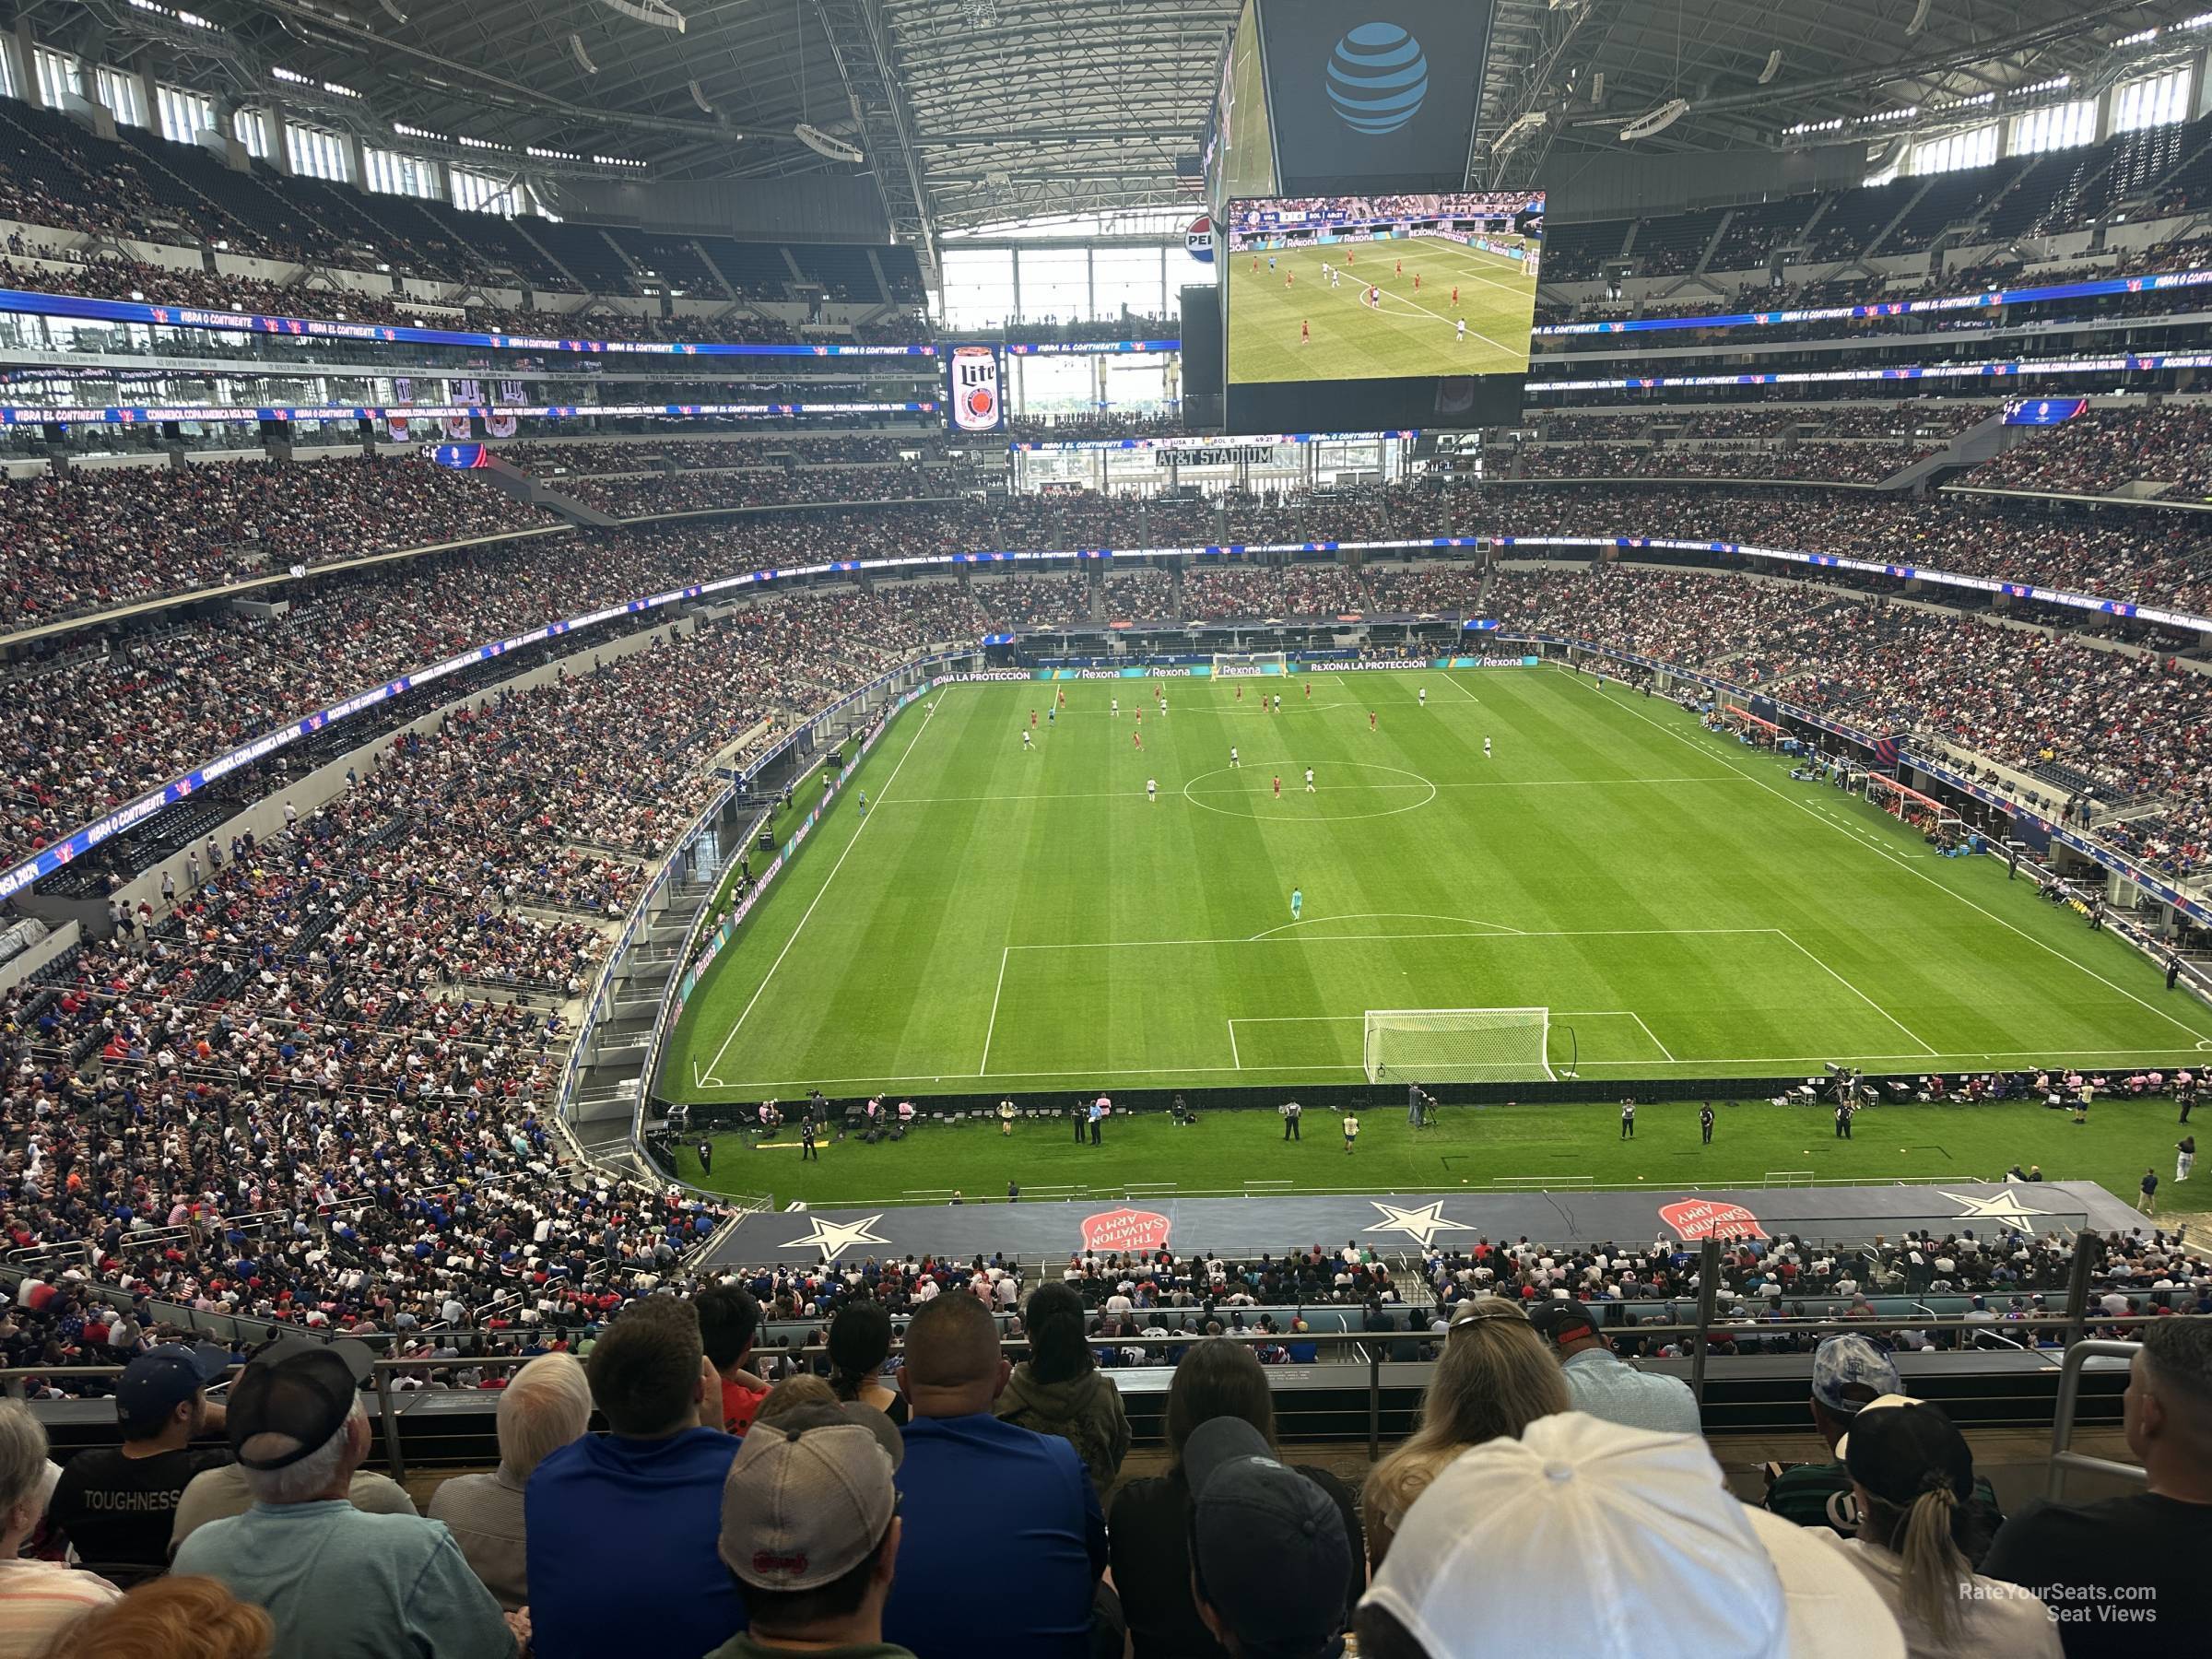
(1362, 284)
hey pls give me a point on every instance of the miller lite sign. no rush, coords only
(1198, 240)
(978, 402)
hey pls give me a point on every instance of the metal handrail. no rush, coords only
(2063, 1458)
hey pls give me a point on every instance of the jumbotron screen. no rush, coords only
(1416, 286)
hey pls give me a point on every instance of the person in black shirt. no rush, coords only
(116, 1504)
(2144, 1553)
(1705, 1123)
(706, 1156)
(1150, 1530)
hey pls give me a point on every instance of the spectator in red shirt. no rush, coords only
(729, 1320)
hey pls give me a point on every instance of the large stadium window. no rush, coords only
(2055, 126)
(251, 127)
(122, 95)
(503, 194)
(2155, 100)
(979, 286)
(58, 74)
(184, 115)
(1054, 282)
(1976, 146)
(1125, 278)
(317, 154)
(391, 173)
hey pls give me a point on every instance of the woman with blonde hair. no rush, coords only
(1912, 1474)
(1494, 1378)
(177, 1618)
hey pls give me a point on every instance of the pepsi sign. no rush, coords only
(1198, 240)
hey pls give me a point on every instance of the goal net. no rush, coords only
(1457, 1045)
(1251, 662)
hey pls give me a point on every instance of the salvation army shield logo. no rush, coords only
(1695, 1219)
(1115, 1231)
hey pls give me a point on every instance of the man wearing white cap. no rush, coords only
(1666, 1565)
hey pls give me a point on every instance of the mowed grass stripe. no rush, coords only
(1633, 887)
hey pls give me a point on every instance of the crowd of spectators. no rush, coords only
(108, 719)
(767, 483)
(839, 1515)
(1847, 463)
(97, 540)
(2101, 451)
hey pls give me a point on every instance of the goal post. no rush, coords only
(1458, 1045)
(1231, 664)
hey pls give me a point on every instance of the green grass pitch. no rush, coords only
(1473, 1146)
(1412, 334)
(1003, 919)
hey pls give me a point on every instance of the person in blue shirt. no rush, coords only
(982, 1497)
(640, 1508)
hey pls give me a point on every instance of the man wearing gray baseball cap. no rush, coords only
(810, 1532)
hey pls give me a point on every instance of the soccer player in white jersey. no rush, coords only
(1024, 739)
(1232, 756)
(1309, 779)
(1152, 789)
(1486, 749)
(1459, 331)
(1424, 695)
(1117, 707)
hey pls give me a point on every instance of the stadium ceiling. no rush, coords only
(975, 111)
(1839, 59)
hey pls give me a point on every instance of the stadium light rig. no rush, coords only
(1657, 121)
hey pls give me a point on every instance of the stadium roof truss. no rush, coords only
(969, 112)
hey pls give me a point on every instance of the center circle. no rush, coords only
(1189, 791)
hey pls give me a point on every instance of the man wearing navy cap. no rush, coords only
(336, 1582)
(1269, 1552)
(115, 1503)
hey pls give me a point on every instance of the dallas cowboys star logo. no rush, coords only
(1424, 1224)
(2005, 1207)
(834, 1238)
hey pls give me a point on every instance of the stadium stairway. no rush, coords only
(504, 475)
(1969, 448)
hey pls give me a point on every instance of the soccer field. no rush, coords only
(1003, 919)
(1413, 333)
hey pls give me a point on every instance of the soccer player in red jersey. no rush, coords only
(1278, 786)
(1290, 278)
(1137, 738)
(1305, 331)
(1032, 717)
(1455, 295)
(1371, 720)
(1398, 269)
(1417, 282)
(1309, 690)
